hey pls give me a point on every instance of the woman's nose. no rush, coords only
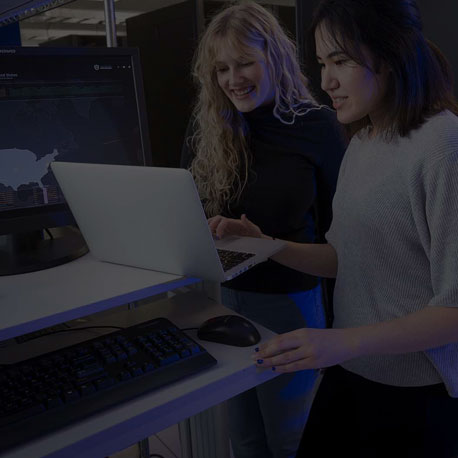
(235, 76)
(328, 80)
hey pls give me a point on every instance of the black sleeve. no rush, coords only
(327, 172)
(187, 154)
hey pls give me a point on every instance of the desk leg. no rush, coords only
(205, 435)
(143, 448)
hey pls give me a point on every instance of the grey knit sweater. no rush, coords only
(395, 230)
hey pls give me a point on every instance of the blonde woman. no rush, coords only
(259, 145)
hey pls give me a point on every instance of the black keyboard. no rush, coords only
(43, 394)
(230, 259)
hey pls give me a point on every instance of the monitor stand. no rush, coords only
(29, 251)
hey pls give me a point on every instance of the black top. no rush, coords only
(292, 181)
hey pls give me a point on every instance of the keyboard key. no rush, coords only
(230, 259)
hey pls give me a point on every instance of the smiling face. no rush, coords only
(355, 90)
(244, 77)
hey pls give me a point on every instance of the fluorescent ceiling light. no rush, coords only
(15, 10)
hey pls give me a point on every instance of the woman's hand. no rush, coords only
(428, 328)
(307, 348)
(243, 227)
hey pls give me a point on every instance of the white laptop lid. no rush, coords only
(148, 217)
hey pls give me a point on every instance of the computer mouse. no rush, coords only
(229, 330)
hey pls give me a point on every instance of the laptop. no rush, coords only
(152, 218)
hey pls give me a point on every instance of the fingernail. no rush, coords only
(260, 361)
(256, 349)
(273, 368)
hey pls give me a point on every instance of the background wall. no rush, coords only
(440, 25)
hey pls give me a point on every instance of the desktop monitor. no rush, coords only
(61, 104)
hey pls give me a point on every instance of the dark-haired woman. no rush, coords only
(391, 387)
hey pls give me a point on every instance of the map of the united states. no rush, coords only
(21, 166)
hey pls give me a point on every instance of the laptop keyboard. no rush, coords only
(48, 392)
(230, 259)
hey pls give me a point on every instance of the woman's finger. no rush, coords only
(213, 222)
(287, 357)
(221, 230)
(281, 343)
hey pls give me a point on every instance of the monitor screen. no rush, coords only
(64, 104)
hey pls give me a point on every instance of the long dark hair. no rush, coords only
(420, 81)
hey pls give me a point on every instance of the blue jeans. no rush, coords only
(267, 421)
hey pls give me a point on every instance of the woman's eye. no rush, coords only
(221, 69)
(340, 62)
(246, 64)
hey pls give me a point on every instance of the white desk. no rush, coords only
(87, 286)
(40, 299)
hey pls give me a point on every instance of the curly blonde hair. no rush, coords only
(222, 158)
